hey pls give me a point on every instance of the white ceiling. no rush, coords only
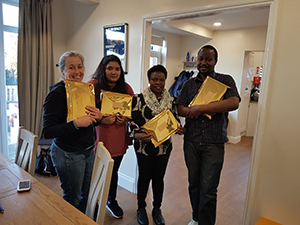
(230, 19)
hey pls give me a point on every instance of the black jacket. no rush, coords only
(66, 135)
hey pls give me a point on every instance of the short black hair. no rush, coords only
(157, 68)
(212, 48)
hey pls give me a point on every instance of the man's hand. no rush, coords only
(195, 111)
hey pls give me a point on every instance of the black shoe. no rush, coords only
(114, 209)
(142, 217)
(158, 218)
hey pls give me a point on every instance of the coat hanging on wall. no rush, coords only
(179, 81)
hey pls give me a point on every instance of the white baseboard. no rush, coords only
(127, 182)
(234, 140)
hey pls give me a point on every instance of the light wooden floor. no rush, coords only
(176, 206)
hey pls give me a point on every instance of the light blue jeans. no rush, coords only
(75, 172)
(204, 163)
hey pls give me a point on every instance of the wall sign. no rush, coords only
(115, 42)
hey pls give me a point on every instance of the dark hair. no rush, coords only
(157, 68)
(211, 48)
(102, 80)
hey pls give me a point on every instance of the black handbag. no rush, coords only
(44, 163)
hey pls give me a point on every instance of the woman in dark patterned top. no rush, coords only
(152, 161)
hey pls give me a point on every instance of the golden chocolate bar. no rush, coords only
(79, 95)
(210, 91)
(113, 102)
(162, 127)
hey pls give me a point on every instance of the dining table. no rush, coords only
(39, 205)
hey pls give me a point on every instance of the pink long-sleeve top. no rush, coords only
(114, 136)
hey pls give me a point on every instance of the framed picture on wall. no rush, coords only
(115, 42)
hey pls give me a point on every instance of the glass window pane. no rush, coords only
(153, 61)
(12, 112)
(10, 15)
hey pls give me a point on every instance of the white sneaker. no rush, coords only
(193, 222)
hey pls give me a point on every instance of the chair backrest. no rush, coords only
(26, 151)
(100, 184)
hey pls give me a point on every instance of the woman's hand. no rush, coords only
(180, 130)
(84, 121)
(114, 118)
(120, 118)
(109, 119)
(93, 112)
(143, 137)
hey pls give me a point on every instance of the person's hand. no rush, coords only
(194, 112)
(109, 119)
(120, 118)
(180, 130)
(197, 110)
(84, 121)
(93, 112)
(143, 137)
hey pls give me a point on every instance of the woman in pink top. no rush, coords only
(113, 131)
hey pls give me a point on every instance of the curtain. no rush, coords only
(35, 61)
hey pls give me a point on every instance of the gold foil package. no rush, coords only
(210, 91)
(79, 95)
(112, 102)
(161, 127)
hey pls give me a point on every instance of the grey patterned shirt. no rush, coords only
(202, 129)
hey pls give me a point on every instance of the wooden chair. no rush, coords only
(100, 183)
(26, 151)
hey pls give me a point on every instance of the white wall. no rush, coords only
(274, 182)
(192, 44)
(174, 63)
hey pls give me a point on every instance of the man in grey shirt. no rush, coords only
(204, 138)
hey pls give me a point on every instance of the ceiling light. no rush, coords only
(217, 24)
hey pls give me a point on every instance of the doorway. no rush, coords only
(268, 50)
(230, 60)
(250, 90)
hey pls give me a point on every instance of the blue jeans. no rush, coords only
(204, 163)
(75, 172)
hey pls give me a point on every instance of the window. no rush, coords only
(155, 55)
(158, 50)
(9, 17)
